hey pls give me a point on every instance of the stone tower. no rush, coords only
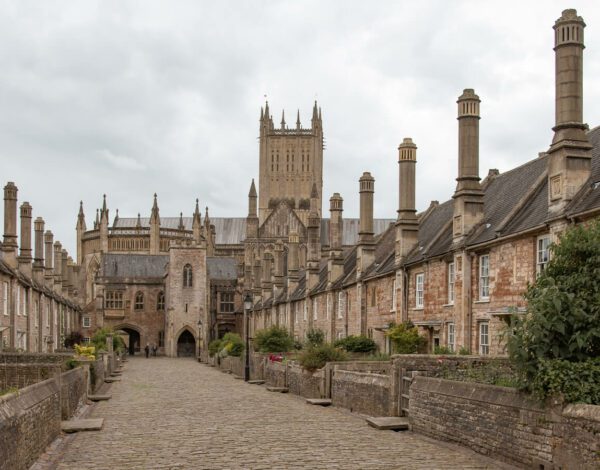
(291, 160)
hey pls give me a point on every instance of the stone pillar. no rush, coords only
(25, 252)
(335, 264)
(48, 259)
(58, 265)
(365, 234)
(407, 225)
(9, 245)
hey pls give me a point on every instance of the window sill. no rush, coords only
(417, 309)
(448, 305)
(482, 301)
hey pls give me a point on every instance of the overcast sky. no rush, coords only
(131, 98)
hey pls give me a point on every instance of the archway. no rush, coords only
(133, 342)
(186, 344)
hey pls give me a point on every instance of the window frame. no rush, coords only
(419, 292)
(451, 283)
(230, 303)
(484, 347)
(86, 322)
(484, 277)
(188, 276)
(113, 300)
(160, 301)
(394, 295)
(451, 336)
(541, 265)
(5, 298)
(315, 310)
(138, 303)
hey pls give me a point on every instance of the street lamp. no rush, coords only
(247, 307)
(199, 340)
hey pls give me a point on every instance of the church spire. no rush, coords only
(154, 217)
(81, 217)
(298, 125)
(283, 119)
(181, 225)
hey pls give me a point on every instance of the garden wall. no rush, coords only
(20, 370)
(30, 419)
(506, 424)
(362, 392)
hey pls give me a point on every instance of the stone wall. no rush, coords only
(304, 383)
(30, 419)
(23, 369)
(505, 424)
(97, 374)
(362, 392)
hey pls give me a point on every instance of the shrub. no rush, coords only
(99, 340)
(353, 343)
(88, 352)
(562, 323)
(73, 338)
(232, 343)
(406, 339)
(442, 350)
(464, 351)
(315, 337)
(214, 347)
(316, 357)
(273, 339)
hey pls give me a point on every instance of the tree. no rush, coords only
(406, 339)
(273, 339)
(562, 325)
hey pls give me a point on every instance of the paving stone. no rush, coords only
(319, 401)
(388, 423)
(175, 414)
(76, 425)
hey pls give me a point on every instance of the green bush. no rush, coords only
(442, 350)
(316, 357)
(353, 343)
(562, 323)
(464, 351)
(99, 340)
(315, 337)
(406, 339)
(73, 338)
(232, 343)
(273, 339)
(214, 347)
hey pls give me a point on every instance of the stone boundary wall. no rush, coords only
(97, 374)
(304, 383)
(30, 418)
(506, 424)
(33, 358)
(362, 392)
(23, 375)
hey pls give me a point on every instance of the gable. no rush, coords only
(281, 222)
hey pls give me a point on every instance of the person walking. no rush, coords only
(147, 349)
(154, 349)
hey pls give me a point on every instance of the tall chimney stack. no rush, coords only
(570, 154)
(9, 245)
(25, 252)
(366, 247)
(38, 260)
(57, 266)
(468, 197)
(407, 225)
(48, 259)
(314, 240)
(335, 263)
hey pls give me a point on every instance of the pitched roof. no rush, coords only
(589, 198)
(221, 268)
(133, 265)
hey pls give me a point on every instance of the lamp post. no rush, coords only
(199, 339)
(247, 307)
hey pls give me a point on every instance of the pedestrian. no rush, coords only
(154, 349)
(147, 349)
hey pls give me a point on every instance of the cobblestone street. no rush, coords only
(176, 413)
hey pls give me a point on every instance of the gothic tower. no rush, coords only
(291, 160)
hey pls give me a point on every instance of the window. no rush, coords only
(160, 301)
(484, 339)
(226, 304)
(87, 322)
(18, 299)
(187, 275)
(305, 313)
(451, 278)
(5, 298)
(314, 308)
(339, 334)
(86, 339)
(161, 339)
(341, 304)
(394, 296)
(25, 301)
(373, 297)
(48, 312)
(296, 308)
(139, 301)
(419, 286)
(451, 336)
(113, 299)
(543, 254)
(484, 277)
(36, 312)
(329, 302)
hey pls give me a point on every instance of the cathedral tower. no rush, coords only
(291, 160)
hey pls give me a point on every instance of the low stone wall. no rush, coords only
(97, 374)
(362, 392)
(33, 358)
(73, 387)
(23, 375)
(505, 424)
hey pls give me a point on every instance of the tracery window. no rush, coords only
(139, 301)
(160, 301)
(187, 276)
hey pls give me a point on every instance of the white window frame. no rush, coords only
(48, 310)
(484, 338)
(484, 277)
(296, 316)
(451, 336)
(305, 313)
(394, 295)
(25, 301)
(419, 290)
(542, 253)
(315, 311)
(341, 302)
(329, 302)
(5, 298)
(18, 299)
(451, 282)
(86, 322)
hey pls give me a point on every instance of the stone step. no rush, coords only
(388, 423)
(319, 401)
(237, 377)
(100, 397)
(110, 380)
(76, 425)
(226, 371)
(116, 374)
(256, 382)
(278, 389)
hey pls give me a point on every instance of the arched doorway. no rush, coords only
(186, 344)
(132, 342)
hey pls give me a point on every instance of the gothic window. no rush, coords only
(187, 275)
(160, 301)
(139, 301)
